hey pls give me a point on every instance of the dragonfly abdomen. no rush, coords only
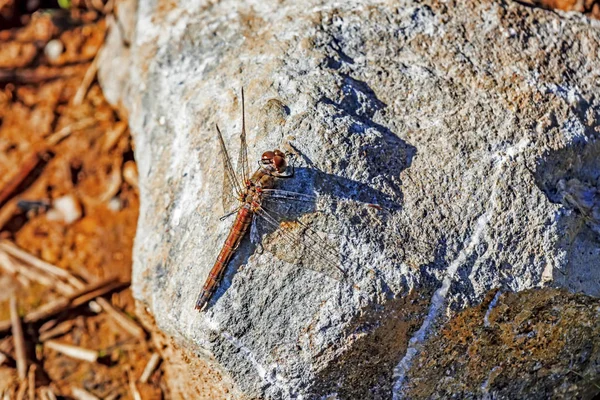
(236, 233)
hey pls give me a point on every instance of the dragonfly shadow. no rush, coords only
(381, 154)
(384, 153)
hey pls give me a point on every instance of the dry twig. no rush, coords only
(31, 274)
(82, 394)
(31, 384)
(87, 80)
(31, 161)
(58, 330)
(22, 390)
(48, 393)
(67, 130)
(121, 319)
(132, 388)
(76, 352)
(24, 256)
(150, 367)
(78, 298)
(19, 340)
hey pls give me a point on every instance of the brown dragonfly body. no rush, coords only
(250, 193)
(262, 179)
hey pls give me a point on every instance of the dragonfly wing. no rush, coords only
(295, 242)
(232, 189)
(242, 166)
(288, 195)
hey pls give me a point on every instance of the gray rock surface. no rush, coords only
(474, 124)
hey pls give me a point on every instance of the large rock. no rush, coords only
(473, 124)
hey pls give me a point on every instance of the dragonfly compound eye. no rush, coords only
(279, 163)
(267, 157)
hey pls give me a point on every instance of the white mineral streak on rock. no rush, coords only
(438, 301)
(486, 318)
(267, 374)
(485, 386)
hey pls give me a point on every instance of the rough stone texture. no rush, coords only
(473, 123)
(535, 344)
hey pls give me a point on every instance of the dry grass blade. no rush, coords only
(79, 298)
(132, 388)
(67, 130)
(19, 340)
(22, 390)
(48, 394)
(112, 136)
(150, 367)
(82, 394)
(18, 268)
(122, 320)
(119, 318)
(31, 379)
(59, 330)
(26, 167)
(88, 78)
(24, 256)
(75, 300)
(76, 352)
(113, 396)
(3, 358)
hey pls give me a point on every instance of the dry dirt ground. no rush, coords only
(68, 212)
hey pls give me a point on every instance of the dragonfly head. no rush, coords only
(276, 159)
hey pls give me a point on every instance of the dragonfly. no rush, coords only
(251, 193)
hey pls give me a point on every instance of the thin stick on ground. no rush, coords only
(76, 352)
(122, 320)
(48, 394)
(31, 161)
(82, 394)
(59, 135)
(58, 330)
(31, 379)
(21, 254)
(80, 297)
(150, 367)
(19, 340)
(132, 388)
(86, 82)
(22, 390)
(32, 274)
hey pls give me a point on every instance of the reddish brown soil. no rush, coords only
(91, 163)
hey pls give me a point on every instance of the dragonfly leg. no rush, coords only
(255, 237)
(229, 214)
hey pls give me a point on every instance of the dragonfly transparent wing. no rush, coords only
(242, 166)
(232, 189)
(295, 242)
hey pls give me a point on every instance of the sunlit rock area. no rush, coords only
(450, 149)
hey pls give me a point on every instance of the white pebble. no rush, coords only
(53, 49)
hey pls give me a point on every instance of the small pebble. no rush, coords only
(114, 204)
(66, 209)
(53, 49)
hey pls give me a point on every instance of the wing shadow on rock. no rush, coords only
(387, 156)
(337, 193)
(571, 177)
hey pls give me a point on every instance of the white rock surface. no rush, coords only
(467, 121)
